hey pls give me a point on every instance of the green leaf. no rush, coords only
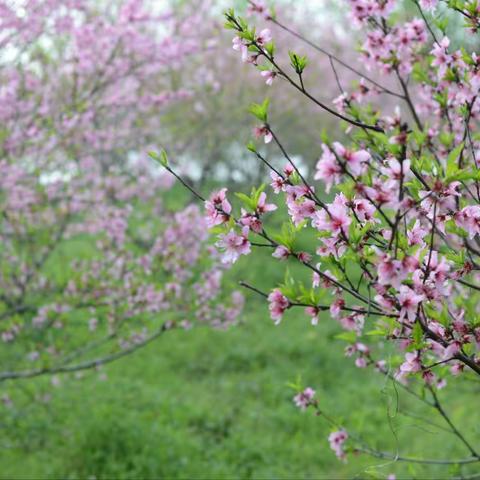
(256, 192)
(161, 157)
(452, 159)
(270, 48)
(298, 62)
(441, 23)
(246, 200)
(417, 334)
(378, 332)
(260, 110)
(349, 337)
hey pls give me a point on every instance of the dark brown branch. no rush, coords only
(97, 362)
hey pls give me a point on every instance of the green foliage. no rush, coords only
(206, 403)
(260, 110)
(298, 62)
(182, 409)
(289, 234)
(161, 157)
(251, 202)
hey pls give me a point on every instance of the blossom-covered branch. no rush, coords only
(393, 213)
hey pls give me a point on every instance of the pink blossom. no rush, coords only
(391, 272)
(251, 221)
(240, 45)
(304, 399)
(361, 362)
(328, 169)
(417, 234)
(218, 208)
(362, 348)
(313, 312)
(428, 377)
(258, 7)
(264, 37)
(353, 322)
(442, 59)
(337, 440)
(304, 257)
(234, 245)
(300, 208)
(457, 368)
(364, 210)
(278, 183)
(429, 4)
(331, 246)
(469, 219)
(278, 303)
(269, 76)
(281, 252)
(264, 132)
(397, 172)
(409, 302)
(452, 350)
(355, 161)
(437, 328)
(411, 364)
(336, 220)
(336, 307)
(441, 383)
(262, 206)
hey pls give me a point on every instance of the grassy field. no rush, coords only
(215, 404)
(211, 404)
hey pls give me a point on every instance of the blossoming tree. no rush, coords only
(86, 275)
(392, 214)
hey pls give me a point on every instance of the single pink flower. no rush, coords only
(336, 307)
(240, 45)
(278, 183)
(234, 245)
(412, 363)
(409, 302)
(328, 169)
(361, 362)
(218, 208)
(278, 303)
(262, 206)
(264, 37)
(355, 161)
(268, 75)
(281, 252)
(337, 440)
(264, 132)
(469, 219)
(304, 399)
(364, 210)
(304, 257)
(417, 234)
(313, 312)
(251, 221)
(335, 219)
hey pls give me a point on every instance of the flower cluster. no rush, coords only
(394, 216)
(86, 275)
(118, 284)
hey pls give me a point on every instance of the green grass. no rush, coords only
(215, 404)
(212, 404)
